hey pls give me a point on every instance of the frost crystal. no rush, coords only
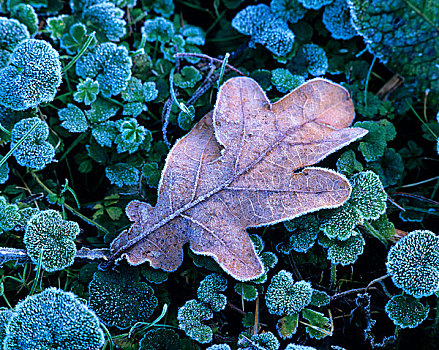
(286, 297)
(49, 236)
(32, 75)
(413, 263)
(265, 29)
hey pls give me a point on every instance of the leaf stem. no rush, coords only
(37, 277)
(367, 82)
(376, 280)
(5, 158)
(81, 52)
(108, 335)
(223, 67)
(206, 57)
(256, 325)
(421, 120)
(148, 325)
(73, 145)
(180, 105)
(420, 182)
(333, 275)
(6, 131)
(374, 232)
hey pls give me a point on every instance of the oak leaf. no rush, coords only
(242, 166)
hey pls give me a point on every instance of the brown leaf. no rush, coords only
(239, 168)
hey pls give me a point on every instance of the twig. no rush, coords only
(256, 326)
(421, 198)
(376, 280)
(233, 307)
(391, 200)
(425, 104)
(21, 257)
(358, 290)
(391, 85)
(420, 182)
(206, 57)
(165, 117)
(256, 346)
(206, 85)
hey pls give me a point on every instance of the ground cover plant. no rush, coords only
(219, 175)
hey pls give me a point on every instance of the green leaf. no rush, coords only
(246, 290)
(319, 326)
(287, 326)
(152, 174)
(114, 213)
(403, 34)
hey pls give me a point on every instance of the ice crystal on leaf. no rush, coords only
(199, 216)
(51, 318)
(32, 75)
(413, 263)
(49, 236)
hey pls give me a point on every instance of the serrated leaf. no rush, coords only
(114, 213)
(319, 326)
(287, 326)
(247, 291)
(237, 168)
(404, 35)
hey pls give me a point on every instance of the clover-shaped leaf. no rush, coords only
(208, 291)
(48, 235)
(345, 252)
(367, 202)
(286, 297)
(189, 319)
(304, 231)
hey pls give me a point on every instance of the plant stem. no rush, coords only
(6, 131)
(367, 82)
(421, 120)
(333, 275)
(148, 325)
(420, 182)
(206, 57)
(376, 280)
(37, 277)
(108, 335)
(180, 105)
(223, 67)
(374, 232)
(5, 158)
(81, 52)
(342, 294)
(21, 257)
(73, 145)
(256, 326)
(70, 208)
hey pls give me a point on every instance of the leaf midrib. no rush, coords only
(209, 194)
